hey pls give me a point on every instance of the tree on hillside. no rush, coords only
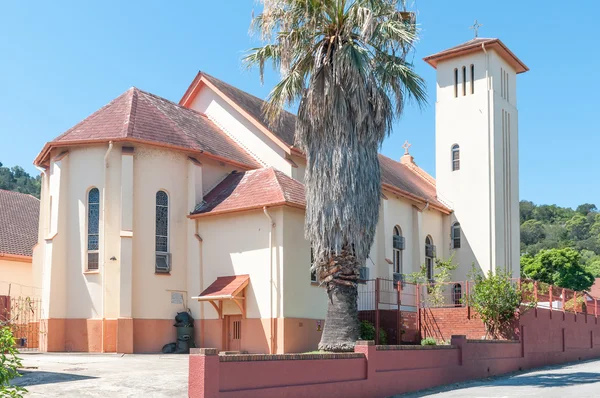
(345, 62)
(17, 179)
(586, 209)
(559, 267)
(532, 232)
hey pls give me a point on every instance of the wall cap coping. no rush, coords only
(289, 357)
(493, 341)
(204, 351)
(414, 347)
(365, 342)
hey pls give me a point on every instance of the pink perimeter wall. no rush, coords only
(380, 371)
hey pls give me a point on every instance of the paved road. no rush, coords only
(575, 380)
(104, 375)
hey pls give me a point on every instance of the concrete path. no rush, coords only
(575, 380)
(104, 375)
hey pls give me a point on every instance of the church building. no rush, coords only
(150, 207)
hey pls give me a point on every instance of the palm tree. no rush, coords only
(345, 62)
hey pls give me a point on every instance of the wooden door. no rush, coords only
(234, 332)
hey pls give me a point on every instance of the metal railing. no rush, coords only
(22, 315)
(387, 303)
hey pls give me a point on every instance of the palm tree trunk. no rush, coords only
(341, 325)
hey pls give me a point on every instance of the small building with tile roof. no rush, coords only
(151, 207)
(19, 218)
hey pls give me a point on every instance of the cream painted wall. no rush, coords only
(158, 169)
(485, 206)
(237, 244)
(16, 277)
(415, 226)
(241, 130)
(301, 298)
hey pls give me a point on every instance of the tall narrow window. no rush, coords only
(429, 256)
(455, 157)
(455, 234)
(457, 294)
(502, 82)
(464, 79)
(455, 82)
(162, 233)
(472, 79)
(398, 247)
(93, 229)
(507, 86)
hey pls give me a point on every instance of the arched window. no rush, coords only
(472, 79)
(455, 157)
(455, 83)
(93, 229)
(457, 294)
(162, 233)
(455, 234)
(398, 247)
(464, 77)
(429, 256)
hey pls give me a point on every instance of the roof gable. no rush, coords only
(252, 189)
(19, 219)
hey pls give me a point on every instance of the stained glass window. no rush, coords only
(162, 222)
(93, 228)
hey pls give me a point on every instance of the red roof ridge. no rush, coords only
(281, 188)
(421, 173)
(156, 109)
(16, 193)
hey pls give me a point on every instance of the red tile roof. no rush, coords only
(253, 189)
(411, 179)
(226, 286)
(416, 182)
(139, 116)
(19, 217)
(474, 45)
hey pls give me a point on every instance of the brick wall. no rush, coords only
(442, 323)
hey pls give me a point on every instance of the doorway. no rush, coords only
(234, 332)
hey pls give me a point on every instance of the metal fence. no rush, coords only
(22, 315)
(387, 304)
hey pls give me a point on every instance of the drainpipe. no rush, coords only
(110, 146)
(201, 265)
(271, 277)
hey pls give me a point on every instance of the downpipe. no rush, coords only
(272, 337)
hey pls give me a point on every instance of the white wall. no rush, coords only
(477, 192)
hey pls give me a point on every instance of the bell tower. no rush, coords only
(477, 169)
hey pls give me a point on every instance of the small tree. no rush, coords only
(498, 301)
(558, 267)
(442, 272)
(9, 363)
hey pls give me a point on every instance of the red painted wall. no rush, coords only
(442, 323)
(380, 371)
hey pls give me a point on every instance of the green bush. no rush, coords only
(367, 332)
(9, 362)
(428, 341)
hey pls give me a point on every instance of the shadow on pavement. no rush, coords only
(551, 379)
(33, 378)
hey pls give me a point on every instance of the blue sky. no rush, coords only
(63, 60)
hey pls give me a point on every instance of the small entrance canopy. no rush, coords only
(226, 288)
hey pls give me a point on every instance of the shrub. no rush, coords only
(428, 341)
(9, 362)
(498, 301)
(367, 332)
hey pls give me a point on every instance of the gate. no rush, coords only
(22, 315)
(391, 306)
